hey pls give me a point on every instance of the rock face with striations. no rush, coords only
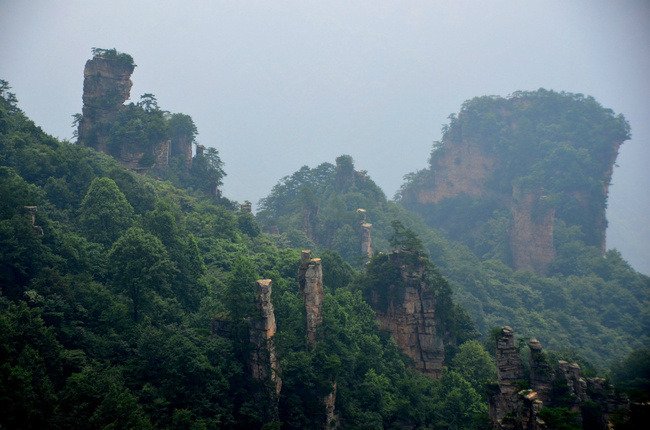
(591, 400)
(310, 279)
(407, 309)
(107, 85)
(264, 363)
(510, 169)
(133, 134)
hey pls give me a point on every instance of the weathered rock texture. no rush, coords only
(408, 313)
(513, 408)
(510, 373)
(310, 279)
(462, 170)
(107, 85)
(493, 159)
(541, 371)
(264, 363)
(31, 214)
(531, 234)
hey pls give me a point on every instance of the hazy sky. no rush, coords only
(276, 85)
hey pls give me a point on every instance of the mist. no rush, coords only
(277, 85)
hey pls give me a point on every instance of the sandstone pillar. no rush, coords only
(264, 363)
(541, 372)
(310, 279)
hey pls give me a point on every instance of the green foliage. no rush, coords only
(632, 375)
(104, 213)
(560, 418)
(475, 365)
(113, 54)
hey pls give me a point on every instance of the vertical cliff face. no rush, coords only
(559, 384)
(264, 363)
(497, 155)
(531, 233)
(107, 85)
(463, 168)
(310, 279)
(407, 309)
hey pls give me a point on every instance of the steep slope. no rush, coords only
(529, 172)
(599, 310)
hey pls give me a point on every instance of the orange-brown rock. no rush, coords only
(531, 234)
(461, 169)
(107, 85)
(264, 363)
(310, 279)
(408, 313)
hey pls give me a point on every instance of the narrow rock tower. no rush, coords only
(264, 363)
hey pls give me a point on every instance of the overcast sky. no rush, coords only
(276, 85)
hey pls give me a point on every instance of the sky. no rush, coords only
(275, 85)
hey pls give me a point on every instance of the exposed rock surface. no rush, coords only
(541, 371)
(531, 234)
(264, 363)
(512, 408)
(310, 279)
(409, 315)
(107, 85)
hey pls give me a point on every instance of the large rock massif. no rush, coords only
(528, 162)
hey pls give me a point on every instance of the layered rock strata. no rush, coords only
(410, 317)
(531, 233)
(310, 280)
(264, 363)
(107, 85)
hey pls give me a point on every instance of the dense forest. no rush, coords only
(134, 295)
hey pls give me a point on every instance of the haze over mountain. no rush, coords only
(275, 86)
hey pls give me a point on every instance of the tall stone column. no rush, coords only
(541, 372)
(264, 363)
(509, 372)
(310, 279)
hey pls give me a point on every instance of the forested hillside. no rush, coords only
(129, 303)
(598, 311)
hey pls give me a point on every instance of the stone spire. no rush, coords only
(510, 372)
(310, 279)
(31, 213)
(264, 363)
(107, 85)
(541, 372)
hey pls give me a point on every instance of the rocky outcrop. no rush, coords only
(31, 214)
(531, 234)
(505, 401)
(541, 371)
(592, 400)
(462, 169)
(264, 363)
(107, 85)
(408, 312)
(484, 177)
(310, 280)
